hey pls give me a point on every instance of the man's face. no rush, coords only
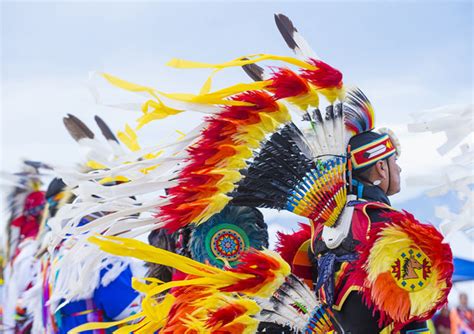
(394, 172)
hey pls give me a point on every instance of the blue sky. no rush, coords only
(427, 43)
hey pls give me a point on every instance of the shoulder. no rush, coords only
(367, 213)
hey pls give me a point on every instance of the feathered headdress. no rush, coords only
(248, 151)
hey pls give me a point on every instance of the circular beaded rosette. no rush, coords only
(226, 242)
(221, 240)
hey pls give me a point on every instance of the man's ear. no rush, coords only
(380, 170)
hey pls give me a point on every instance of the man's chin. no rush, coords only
(394, 192)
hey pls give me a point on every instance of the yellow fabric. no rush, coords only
(217, 97)
(129, 138)
(95, 165)
(155, 110)
(113, 179)
(206, 275)
(103, 325)
(241, 61)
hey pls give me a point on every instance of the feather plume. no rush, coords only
(326, 79)
(215, 160)
(104, 128)
(94, 150)
(358, 112)
(292, 37)
(109, 136)
(294, 305)
(288, 244)
(76, 128)
(281, 177)
(220, 298)
(255, 72)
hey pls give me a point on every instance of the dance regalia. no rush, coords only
(369, 211)
(249, 152)
(102, 293)
(108, 303)
(26, 204)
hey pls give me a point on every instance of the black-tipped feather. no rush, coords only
(105, 129)
(293, 38)
(275, 171)
(254, 71)
(37, 164)
(287, 29)
(76, 128)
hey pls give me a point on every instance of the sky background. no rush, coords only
(406, 56)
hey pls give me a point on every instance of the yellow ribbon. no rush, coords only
(241, 61)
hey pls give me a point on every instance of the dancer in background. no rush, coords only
(462, 317)
(26, 205)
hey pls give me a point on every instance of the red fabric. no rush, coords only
(33, 206)
(28, 226)
(360, 223)
(33, 200)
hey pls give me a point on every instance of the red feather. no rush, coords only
(257, 264)
(324, 76)
(286, 83)
(197, 180)
(288, 244)
(225, 315)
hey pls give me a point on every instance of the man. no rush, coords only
(18, 270)
(376, 175)
(462, 317)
